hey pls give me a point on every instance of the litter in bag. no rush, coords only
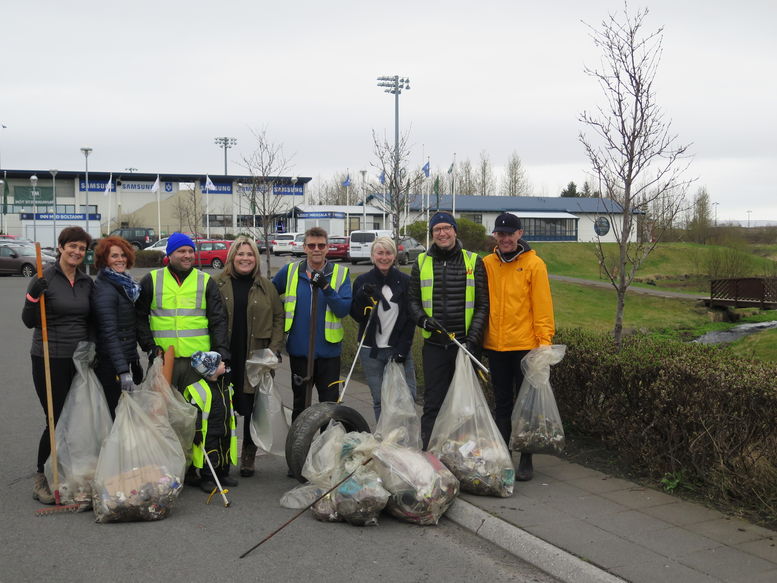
(421, 488)
(322, 465)
(398, 408)
(141, 466)
(467, 440)
(181, 415)
(302, 496)
(361, 498)
(325, 511)
(270, 420)
(84, 423)
(536, 421)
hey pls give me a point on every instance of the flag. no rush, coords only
(382, 177)
(426, 170)
(209, 183)
(155, 188)
(347, 181)
(450, 170)
(108, 186)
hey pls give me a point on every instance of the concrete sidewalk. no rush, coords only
(581, 525)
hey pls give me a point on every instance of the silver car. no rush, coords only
(20, 259)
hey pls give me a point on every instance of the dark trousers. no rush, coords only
(62, 372)
(326, 377)
(506, 377)
(439, 366)
(217, 438)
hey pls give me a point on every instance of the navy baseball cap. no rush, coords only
(507, 223)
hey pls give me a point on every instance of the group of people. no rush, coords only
(500, 305)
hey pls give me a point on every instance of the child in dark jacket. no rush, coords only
(216, 434)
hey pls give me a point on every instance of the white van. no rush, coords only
(361, 244)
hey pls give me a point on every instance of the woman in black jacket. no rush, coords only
(113, 305)
(390, 333)
(67, 322)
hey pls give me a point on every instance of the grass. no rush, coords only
(760, 346)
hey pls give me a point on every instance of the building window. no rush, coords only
(549, 229)
(474, 217)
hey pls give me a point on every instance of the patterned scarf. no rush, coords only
(131, 288)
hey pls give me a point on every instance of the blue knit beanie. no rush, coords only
(442, 217)
(178, 240)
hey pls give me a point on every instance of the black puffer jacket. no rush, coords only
(114, 315)
(448, 295)
(68, 319)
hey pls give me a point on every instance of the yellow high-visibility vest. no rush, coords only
(199, 394)
(178, 312)
(426, 273)
(333, 326)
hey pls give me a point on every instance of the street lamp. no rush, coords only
(715, 204)
(34, 194)
(131, 170)
(54, 195)
(394, 85)
(293, 206)
(226, 143)
(748, 218)
(86, 152)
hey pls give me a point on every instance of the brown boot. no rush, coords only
(40, 489)
(247, 458)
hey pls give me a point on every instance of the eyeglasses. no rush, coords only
(319, 246)
(442, 229)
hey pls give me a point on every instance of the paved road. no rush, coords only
(632, 289)
(200, 542)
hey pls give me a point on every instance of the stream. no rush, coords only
(735, 333)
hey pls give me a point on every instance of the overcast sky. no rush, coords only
(150, 84)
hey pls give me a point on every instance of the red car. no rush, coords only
(209, 253)
(338, 248)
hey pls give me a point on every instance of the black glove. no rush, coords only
(432, 325)
(318, 279)
(125, 380)
(369, 289)
(38, 286)
(154, 353)
(399, 358)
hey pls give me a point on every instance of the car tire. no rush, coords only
(307, 425)
(217, 263)
(27, 270)
(354, 262)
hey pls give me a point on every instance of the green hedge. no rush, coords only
(690, 414)
(148, 259)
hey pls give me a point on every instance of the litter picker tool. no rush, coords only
(218, 487)
(373, 308)
(58, 506)
(474, 360)
(301, 512)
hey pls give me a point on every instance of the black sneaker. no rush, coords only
(207, 485)
(228, 480)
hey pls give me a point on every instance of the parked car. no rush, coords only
(210, 253)
(408, 250)
(298, 245)
(338, 248)
(138, 237)
(282, 243)
(361, 244)
(20, 259)
(160, 246)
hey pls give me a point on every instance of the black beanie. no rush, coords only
(442, 217)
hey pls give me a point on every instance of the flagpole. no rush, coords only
(428, 193)
(347, 199)
(207, 206)
(453, 187)
(158, 208)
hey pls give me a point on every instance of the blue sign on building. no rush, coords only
(60, 216)
(95, 185)
(321, 215)
(221, 187)
(288, 189)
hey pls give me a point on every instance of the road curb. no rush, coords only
(552, 560)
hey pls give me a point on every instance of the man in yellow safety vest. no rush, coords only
(180, 306)
(296, 283)
(448, 291)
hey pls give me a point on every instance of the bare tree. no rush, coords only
(465, 178)
(399, 181)
(700, 224)
(634, 155)
(484, 182)
(515, 181)
(187, 208)
(266, 165)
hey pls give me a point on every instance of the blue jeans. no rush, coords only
(373, 370)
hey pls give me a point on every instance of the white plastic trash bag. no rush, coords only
(84, 423)
(398, 409)
(141, 467)
(467, 440)
(536, 421)
(270, 420)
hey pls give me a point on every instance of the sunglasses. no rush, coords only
(319, 246)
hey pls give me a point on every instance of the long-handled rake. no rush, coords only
(58, 506)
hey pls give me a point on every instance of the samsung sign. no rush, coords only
(277, 189)
(95, 186)
(221, 187)
(135, 186)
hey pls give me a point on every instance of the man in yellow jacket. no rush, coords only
(520, 319)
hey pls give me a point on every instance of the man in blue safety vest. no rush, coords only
(296, 283)
(448, 293)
